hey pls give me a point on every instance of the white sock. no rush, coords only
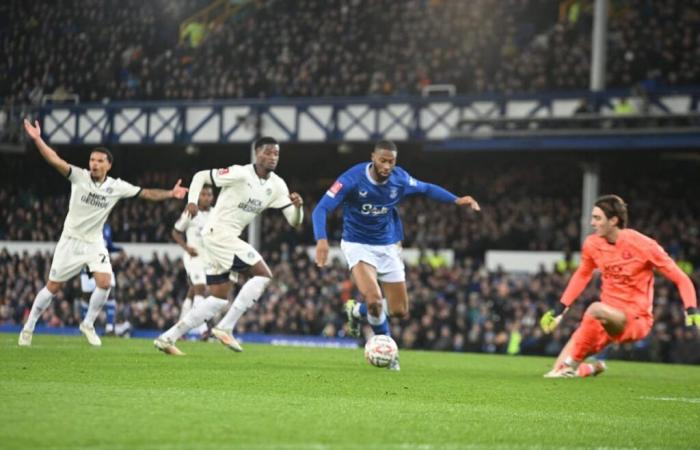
(186, 306)
(202, 311)
(97, 301)
(374, 320)
(41, 302)
(230, 320)
(569, 361)
(249, 294)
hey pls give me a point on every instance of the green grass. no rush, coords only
(61, 393)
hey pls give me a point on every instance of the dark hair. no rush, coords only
(613, 206)
(104, 151)
(263, 141)
(386, 145)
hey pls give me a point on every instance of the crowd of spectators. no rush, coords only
(524, 207)
(462, 308)
(130, 49)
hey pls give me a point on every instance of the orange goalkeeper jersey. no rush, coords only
(627, 272)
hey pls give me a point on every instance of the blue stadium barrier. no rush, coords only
(254, 338)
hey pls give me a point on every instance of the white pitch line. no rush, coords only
(672, 399)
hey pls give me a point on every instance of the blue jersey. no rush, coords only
(107, 235)
(370, 214)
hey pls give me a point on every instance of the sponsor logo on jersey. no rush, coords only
(337, 186)
(369, 209)
(96, 200)
(253, 205)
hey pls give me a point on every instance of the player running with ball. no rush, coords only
(372, 234)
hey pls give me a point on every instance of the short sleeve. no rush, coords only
(125, 189)
(227, 175)
(77, 175)
(281, 199)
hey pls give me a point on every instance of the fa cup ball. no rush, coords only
(380, 350)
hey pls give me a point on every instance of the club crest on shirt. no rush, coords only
(362, 193)
(109, 190)
(393, 192)
(268, 191)
(223, 171)
(626, 254)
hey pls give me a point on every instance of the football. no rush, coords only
(380, 350)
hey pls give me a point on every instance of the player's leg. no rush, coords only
(187, 303)
(392, 275)
(41, 303)
(64, 266)
(373, 309)
(260, 277)
(219, 283)
(103, 281)
(198, 291)
(111, 308)
(599, 324)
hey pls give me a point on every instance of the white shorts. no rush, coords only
(385, 258)
(194, 265)
(226, 255)
(71, 255)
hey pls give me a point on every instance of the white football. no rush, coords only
(380, 350)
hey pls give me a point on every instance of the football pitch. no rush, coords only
(63, 394)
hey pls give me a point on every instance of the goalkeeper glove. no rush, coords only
(551, 318)
(692, 317)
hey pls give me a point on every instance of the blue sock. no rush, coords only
(111, 312)
(363, 310)
(83, 309)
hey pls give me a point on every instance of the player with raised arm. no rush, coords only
(372, 234)
(93, 195)
(187, 232)
(626, 260)
(246, 191)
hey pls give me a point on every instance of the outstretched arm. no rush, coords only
(49, 154)
(158, 195)
(670, 270)
(439, 194)
(578, 282)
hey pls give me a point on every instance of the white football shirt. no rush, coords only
(91, 202)
(243, 196)
(192, 227)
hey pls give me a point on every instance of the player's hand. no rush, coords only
(549, 321)
(296, 200)
(179, 191)
(467, 200)
(321, 252)
(692, 318)
(192, 209)
(191, 251)
(34, 131)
